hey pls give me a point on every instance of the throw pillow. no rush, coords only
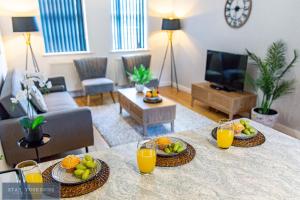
(37, 100)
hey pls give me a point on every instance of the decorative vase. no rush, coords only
(139, 88)
(269, 119)
(33, 136)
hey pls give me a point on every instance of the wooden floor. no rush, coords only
(180, 97)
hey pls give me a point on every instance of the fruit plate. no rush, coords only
(242, 136)
(164, 154)
(152, 99)
(60, 175)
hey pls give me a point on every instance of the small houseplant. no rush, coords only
(271, 82)
(31, 124)
(140, 77)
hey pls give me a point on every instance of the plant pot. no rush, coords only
(33, 136)
(139, 88)
(269, 119)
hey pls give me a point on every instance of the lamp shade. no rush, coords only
(171, 24)
(25, 24)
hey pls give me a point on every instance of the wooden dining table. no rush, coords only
(268, 171)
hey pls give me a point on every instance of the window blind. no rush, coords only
(128, 17)
(63, 25)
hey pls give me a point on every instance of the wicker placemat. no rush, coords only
(251, 142)
(67, 191)
(174, 161)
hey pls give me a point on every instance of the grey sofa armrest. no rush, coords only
(58, 84)
(69, 130)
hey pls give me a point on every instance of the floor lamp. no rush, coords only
(27, 25)
(170, 25)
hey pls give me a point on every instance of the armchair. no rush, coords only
(92, 72)
(130, 62)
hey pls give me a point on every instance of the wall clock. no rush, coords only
(237, 12)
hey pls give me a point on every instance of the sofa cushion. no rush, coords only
(59, 101)
(97, 85)
(12, 85)
(37, 100)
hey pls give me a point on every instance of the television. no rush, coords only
(226, 71)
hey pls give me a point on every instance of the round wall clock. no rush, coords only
(237, 12)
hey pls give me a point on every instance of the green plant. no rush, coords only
(32, 124)
(271, 72)
(141, 75)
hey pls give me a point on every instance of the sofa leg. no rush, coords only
(112, 96)
(88, 100)
(86, 149)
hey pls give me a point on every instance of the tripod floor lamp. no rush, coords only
(170, 25)
(27, 25)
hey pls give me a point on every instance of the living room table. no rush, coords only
(269, 171)
(147, 113)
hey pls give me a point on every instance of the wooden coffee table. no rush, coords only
(144, 113)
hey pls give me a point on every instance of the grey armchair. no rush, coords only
(92, 72)
(132, 61)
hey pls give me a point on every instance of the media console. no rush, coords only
(231, 103)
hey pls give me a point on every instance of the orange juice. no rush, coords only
(34, 178)
(146, 159)
(224, 138)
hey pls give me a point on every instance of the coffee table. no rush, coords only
(144, 113)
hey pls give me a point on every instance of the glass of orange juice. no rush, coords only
(31, 171)
(225, 134)
(146, 156)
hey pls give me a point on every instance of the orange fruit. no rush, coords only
(162, 142)
(69, 162)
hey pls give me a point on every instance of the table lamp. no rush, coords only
(170, 25)
(27, 25)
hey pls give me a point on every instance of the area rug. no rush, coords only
(121, 129)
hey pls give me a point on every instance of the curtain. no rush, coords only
(128, 18)
(63, 25)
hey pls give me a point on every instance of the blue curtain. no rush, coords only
(63, 25)
(128, 18)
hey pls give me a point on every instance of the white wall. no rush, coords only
(98, 17)
(205, 28)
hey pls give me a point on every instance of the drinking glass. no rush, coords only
(146, 156)
(225, 134)
(31, 171)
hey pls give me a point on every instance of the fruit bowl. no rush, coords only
(244, 130)
(152, 96)
(63, 176)
(170, 149)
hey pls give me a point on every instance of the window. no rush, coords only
(63, 25)
(129, 19)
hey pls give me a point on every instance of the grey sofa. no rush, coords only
(129, 62)
(69, 126)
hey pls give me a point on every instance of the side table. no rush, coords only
(34, 145)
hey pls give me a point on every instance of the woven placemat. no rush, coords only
(174, 161)
(251, 142)
(67, 191)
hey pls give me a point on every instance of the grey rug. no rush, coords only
(122, 129)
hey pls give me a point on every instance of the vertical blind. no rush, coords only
(128, 25)
(63, 25)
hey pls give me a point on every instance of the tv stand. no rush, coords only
(219, 87)
(231, 103)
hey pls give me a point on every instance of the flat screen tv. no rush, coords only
(226, 70)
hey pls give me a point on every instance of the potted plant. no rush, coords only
(31, 124)
(140, 77)
(270, 81)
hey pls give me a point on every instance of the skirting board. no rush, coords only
(181, 87)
